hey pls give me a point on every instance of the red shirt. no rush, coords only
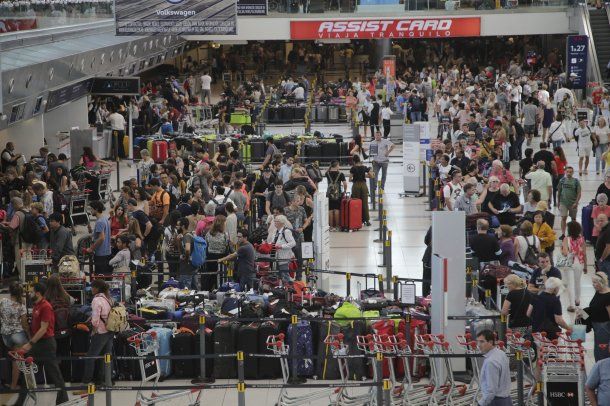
(561, 166)
(597, 96)
(43, 311)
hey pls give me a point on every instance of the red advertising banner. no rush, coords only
(17, 24)
(389, 66)
(386, 28)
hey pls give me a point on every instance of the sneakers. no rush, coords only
(367, 223)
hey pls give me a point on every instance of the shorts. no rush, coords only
(584, 150)
(564, 211)
(14, 340)
(529, 129)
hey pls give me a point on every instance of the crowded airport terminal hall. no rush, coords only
(305, 202)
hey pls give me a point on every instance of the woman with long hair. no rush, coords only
(219, 245)
(601, 131)
(56, 294)
(135, 235)
(14, 324)
(171, 243)
(560, 163)
(142, 198)
(118, 221)
(599, 314)
(574, 247)
(90, 161)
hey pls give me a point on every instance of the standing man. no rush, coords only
(584, 146)
(159, 202)
(542, 181)
(599, 380)
(117, 126)
(101, 240)
(42, 346)
(386, 114)
(244, 261)
(379, 150)
(9, 157)
(271, 151)
(453, 190)
(568, 196)
(60, 238)
(495, 372)
(529, 116)
(206, 87)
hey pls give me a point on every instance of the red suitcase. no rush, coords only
(159, 151)
(351, 214)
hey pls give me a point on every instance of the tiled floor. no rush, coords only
(356, 252)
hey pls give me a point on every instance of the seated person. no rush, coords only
(544, 271)
(505, 205)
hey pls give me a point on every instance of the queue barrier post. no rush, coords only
(90, 394)
(488, 299)
(108, 378)
(202, 351)
(348, 284)
(540, 392)
(241, 386)
(373, 195)
(395, 286)
(408, 329)
(502, 327)
(294, 322)
(425, 179)
(519, 359)
(379, 375)
(380, 211)
(388, 261)
(387, 386)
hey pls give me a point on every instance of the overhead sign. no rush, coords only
(386, 28)
(68, 93)
(251, 7)
(116, 86)
(577, 50)
(188, 17)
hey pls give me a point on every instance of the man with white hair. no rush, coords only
(505, 205)
(546, 314)
(541, 181)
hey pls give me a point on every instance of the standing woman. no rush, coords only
(601, 132)
(560, 163)
(518, 305)
(219, 245)
(337, 185)
(599, 314)
(358, 175)
(548, 115)
(574, 247)
(14, 324)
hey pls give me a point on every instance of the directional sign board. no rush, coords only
(577, 49)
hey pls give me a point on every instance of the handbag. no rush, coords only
(579, 331)
(564, 261)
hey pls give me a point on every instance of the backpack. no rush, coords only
(117, 320)
(531, 253)
(173, 201)
(221, 207)
(334, 189)
(198, 251)
(69, 267)
(62, 325)
(30, 231)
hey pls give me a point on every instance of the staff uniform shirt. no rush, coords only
(43, 312)
(386, 113)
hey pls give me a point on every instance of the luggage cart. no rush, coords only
(146, 344)
(77, 208)
(118, 290)
(339, 348)
(515, 342)
(76, 288)
(29, 369)
(35, 264)
(104, 188)
(275, 343)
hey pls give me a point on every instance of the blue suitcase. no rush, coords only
(164, 335)
(587, 222)
(303, 349)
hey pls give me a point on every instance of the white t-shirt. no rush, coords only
(443, 171)
(117, 121)
(299, 93)
(451, 192)
(386, 113)
(206, 82)
(515, 94)
(558, 131)
(543, 97)
(584, 137)
(602, 133)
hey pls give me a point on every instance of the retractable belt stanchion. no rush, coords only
(202, 351)
(348, 285)
(502, 327)
(294, 321)
(380, 211)
(388, 261)
(519, 359)
(108, 378)
(91, 395)
(115, 135)
(379, 375)
(241, 386)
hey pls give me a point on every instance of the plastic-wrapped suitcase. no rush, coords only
(350, 214)
(312, 152)
(587, 222)
(327, 365)
(183, 343)
(333, 114)
(159, 151)
(268, 368)
(225, 342)
(247, 341)
(321, 113)
(304, 347)
(164, 336)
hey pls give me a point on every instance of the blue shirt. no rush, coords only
(495, 377)
(599, 379)
(102, 225)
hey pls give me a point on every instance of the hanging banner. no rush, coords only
(251, 7)
(386, 28)
(389, 66)
(577, 50)
(178, 17)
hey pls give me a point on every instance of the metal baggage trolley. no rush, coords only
(35, 264)
(77, 206)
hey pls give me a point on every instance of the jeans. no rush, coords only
(173, 263)
(100, 344)
(415, 116)
(599, 151)
(384, 173)
(207, 94)
(557, 143)
(601, 335)
(374, 126)
(43, 353)
(14, 340)
(386, 128)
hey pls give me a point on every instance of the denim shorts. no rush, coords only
(14, 340)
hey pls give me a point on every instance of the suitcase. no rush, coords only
(587, 222)
(290, 149)
(321, 113)
(329, 151)
(159, 151)
(286, 114)
(183, 343)
(247, 341)
(299, 113)
(356, 366)
(240, 119)
(258, 150)
(350, 214)
(303, 349)
(327, 365)
(333, 114)
(273, 114)
(343, 152)
(164, 336)
(268, 368)
(129, 370)
(64, 349)
(209, 349)
(225, 342)
(79, 345)
(126, 144)
(312, 153)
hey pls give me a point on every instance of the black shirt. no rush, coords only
(597, 309)
(488, 198)
(602, 240)
(547, 157)
(485, 247)
(520, 300)
(603, 189)
(537, 276)
(359, 173)
(461, 163)
(142, 219)
(501, 202)
(546, 306)
(262, 186)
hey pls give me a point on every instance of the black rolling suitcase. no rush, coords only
(268, 368)
(299, 114)
(327, 365)
(356, 366)
(343, 152)
(79, 345)
(312, 152)
(286, 114)
(329, 151)
(273, 115)
(129, 370)
(291, 149)
(257, 150)
(184, 344)
(247, 341)
(225, 342)
(209, 349)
